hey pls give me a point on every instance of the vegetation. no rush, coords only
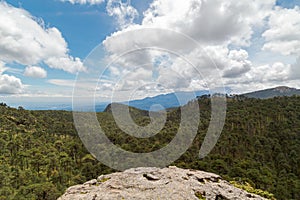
(199, 196)
(247, 187)
(41, 154)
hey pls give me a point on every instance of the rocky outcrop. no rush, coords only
(155, 183)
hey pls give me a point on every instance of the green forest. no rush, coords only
(41, 154)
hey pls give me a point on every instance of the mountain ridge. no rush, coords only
(273, 92)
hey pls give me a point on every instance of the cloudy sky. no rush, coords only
(139, 48)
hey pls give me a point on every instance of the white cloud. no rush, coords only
(238, 64)
(224, 32)
(277, 72)
(174, 72)
(209, 22)
(92, 2)
(62, 82)
(9, 84)
(66, 63)
(123, 12)
(283, 34)
(262, 76)
(35, 72)
(215, 25)
(28, 42)
(214, 21)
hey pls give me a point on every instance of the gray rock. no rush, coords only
(91, 182)
(155, 183)
(151, 177)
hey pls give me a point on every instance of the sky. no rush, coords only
(53, 50)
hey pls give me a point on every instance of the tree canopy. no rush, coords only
(41, 154)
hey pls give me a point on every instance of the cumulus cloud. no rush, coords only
(261, 76)
(215, 25)
(66, 63)
(123, 12)
(92, 2)
(214, 21)
(35, 72)
(238, 64)
(283, 34)
(276, 72)
(25, 40)
(209, 22)
(201, 61)
(223, 33)
(9, 84)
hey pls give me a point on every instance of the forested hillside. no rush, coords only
(41, 154)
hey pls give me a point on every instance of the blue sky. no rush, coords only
(288, 3)
(82, 26)
(252, 45)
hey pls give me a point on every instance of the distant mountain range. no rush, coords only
(181, 98)
(273, 92)
(160, 102)
(170, 100)
(166, 100)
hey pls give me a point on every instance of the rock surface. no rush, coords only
(155, 183)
